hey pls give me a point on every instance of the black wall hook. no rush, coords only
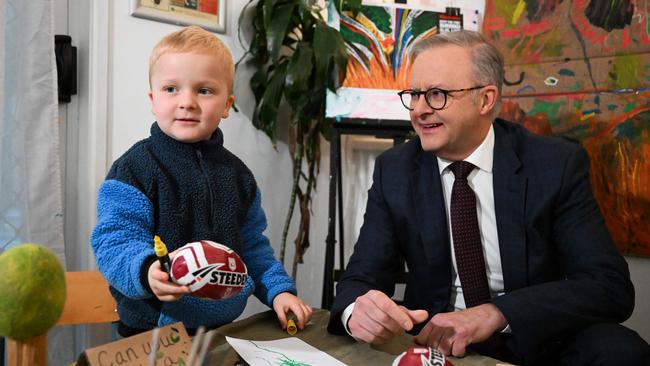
(66, 67)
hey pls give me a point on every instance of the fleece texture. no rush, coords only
(183, 193)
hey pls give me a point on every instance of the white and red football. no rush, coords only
(421, 356)
(209, 269)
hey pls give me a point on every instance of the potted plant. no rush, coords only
(297, 57)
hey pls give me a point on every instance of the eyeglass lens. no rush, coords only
(435, 98)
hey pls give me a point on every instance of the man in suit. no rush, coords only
(554, 287)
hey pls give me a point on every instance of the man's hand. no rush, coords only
(376, 318)
(451, 333)
(286, 301)
(161, 286)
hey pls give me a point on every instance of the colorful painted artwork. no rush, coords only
(581, 69)
(378, 41)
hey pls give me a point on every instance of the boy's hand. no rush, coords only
(161, 286)
(286, 301)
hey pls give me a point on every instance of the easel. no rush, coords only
(396, 130)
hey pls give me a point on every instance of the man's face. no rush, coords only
(455, 131)
(189, 95)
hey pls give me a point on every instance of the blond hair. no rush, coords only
(194, 39)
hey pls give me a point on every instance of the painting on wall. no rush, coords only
(581, 69)
(208, 14)
(378, 42)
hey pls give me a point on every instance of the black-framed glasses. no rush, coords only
(436, 98)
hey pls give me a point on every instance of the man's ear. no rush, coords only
(229, 102)
(488, 99)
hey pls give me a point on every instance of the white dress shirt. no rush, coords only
(480, 180)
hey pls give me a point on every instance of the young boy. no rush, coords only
(183, 185)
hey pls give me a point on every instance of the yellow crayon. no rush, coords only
(291, 327)
(161, 252)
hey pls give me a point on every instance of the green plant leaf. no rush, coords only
(267, 7)
(297, 57)
(278, 26)
(330, 55)
(257, 48)
(268, 105)
(258, 83)
(298, 73)
(354, 6)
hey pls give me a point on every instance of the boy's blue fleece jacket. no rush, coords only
(183, 193)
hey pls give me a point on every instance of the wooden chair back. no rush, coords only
(87, 301)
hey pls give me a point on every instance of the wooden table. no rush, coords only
(264, 327)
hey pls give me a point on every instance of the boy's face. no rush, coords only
(189, 95)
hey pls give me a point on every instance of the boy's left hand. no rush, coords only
(286, 301)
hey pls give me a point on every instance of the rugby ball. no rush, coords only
(209, 269)
(421, 356)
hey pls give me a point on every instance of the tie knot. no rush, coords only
(461, 169)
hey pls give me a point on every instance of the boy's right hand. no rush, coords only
(162, 287)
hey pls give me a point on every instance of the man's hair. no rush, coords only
(486, 58)
(194, 39)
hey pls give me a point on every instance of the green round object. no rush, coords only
(32, 291)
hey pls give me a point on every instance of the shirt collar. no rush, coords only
(482, 157)
(215, 141)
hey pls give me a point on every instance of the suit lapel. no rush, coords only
(509, 202)
(430, 208)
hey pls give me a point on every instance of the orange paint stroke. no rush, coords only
(378, 78)
(493, 24)
(531, 29)
(621, 185)
(583, 26)
(626, 38)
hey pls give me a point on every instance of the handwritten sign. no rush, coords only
(173, 349)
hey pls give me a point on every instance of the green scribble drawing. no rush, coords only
(284, 360)
(175, 337)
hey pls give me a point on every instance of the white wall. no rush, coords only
(130, 120)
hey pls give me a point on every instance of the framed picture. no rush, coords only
(208, 14)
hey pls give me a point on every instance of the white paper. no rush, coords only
(280, 352)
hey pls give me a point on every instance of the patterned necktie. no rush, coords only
(467, 238)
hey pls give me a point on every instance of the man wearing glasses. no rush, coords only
(506, 249)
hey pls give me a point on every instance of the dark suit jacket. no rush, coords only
(561, 270)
